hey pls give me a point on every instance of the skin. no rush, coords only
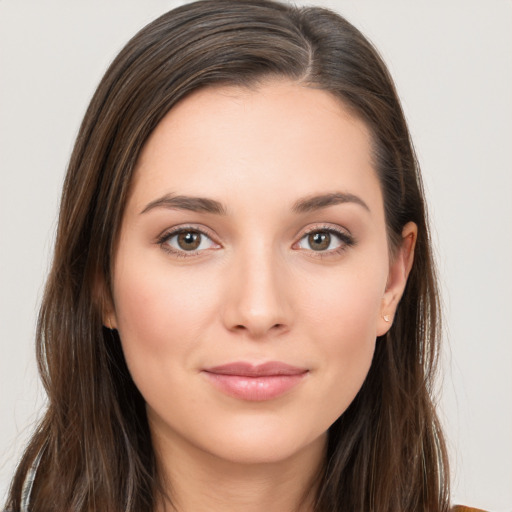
(255, 290)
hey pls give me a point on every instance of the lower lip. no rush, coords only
(256, 389)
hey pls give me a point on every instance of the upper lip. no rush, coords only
(246, 369)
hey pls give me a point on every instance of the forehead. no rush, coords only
(235, 142)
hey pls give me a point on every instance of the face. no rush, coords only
(252, 272)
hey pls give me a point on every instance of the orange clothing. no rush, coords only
(461, 508)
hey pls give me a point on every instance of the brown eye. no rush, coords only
(319, 240)
(189, 240)
(185, 241)
(325, 240)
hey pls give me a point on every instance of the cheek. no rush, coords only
(342, 317)
(344, 305)
(162, 317)
(158, 312)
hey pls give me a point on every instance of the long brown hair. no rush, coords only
(386, 452)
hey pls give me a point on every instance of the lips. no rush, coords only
(250, 382)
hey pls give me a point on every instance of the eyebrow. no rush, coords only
(318, 202)
(194, 204)
(206, 205)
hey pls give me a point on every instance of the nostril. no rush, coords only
(275, 327)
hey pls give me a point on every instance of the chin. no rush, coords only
(261, 442)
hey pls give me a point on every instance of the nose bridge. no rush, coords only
(257, 297)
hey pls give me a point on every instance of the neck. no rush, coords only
(196, 481)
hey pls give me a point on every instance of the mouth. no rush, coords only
(246, 381)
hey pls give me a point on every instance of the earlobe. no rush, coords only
(109, 321)
(399, 270)
(105, 303)
(108, 313)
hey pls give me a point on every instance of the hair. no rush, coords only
(386, 452)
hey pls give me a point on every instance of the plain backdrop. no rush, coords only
(452, 63)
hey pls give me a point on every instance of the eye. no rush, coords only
(325, 240)
(186, 240)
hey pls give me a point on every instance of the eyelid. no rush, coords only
(323, 226)
(175, 230)
(346, 238)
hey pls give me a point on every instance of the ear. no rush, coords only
(105, 303)
(399, 270)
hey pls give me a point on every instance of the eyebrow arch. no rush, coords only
(206, 205)
(318, 202)
(194, 204)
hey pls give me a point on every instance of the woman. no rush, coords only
(242, 311)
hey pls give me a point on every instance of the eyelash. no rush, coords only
(163, 240)
(345, 238)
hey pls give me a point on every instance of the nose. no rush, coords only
(257, 300)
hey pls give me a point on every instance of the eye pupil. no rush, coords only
(189, 240)
(319, 240)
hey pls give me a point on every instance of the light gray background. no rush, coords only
(452, 62)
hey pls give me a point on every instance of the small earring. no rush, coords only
(386, 318)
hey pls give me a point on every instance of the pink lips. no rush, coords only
(255, 382)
